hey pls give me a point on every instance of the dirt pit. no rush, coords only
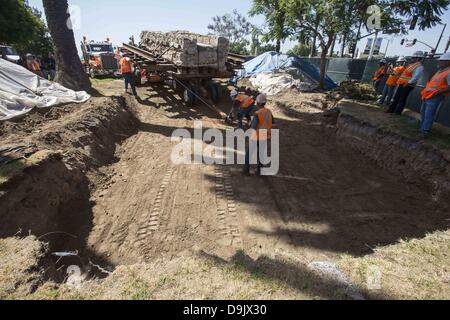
(106, 188)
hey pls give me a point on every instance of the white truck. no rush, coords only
(9, 53)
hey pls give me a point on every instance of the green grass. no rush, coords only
(403, 125)
(10, 169)
(410, 269)
(15, 167)
(96, 81)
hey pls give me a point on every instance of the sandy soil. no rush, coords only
(326, 201)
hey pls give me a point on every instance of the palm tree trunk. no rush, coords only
(70, 72)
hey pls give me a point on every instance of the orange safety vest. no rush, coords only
(34, 66)
(125, 65)
(393, 78)
(408, 73)
(265, 120)
(379, 73)
(245, 101)
(438, 82)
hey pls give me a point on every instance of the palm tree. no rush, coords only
(70, 71)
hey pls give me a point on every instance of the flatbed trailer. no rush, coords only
(191, 83)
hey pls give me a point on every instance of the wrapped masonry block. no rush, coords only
(186, 49)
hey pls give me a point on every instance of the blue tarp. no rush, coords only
(270, 61)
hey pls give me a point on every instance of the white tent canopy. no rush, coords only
(22, 90)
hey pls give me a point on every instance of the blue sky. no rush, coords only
(118, 20)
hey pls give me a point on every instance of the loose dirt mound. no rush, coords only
(50, 164)
(357, 90)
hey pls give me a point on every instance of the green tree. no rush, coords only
(321, 19)
(259, 46)
(300, 50)
(428, 13)
(41, 44)
(326, 19)
(236, 28)
(275, 12)
(240, 47)
(21, 26)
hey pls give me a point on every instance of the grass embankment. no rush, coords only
(407, 125)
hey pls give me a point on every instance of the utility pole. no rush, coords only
(387, 47)
(357, 38)
(372, 49)
(440, 38)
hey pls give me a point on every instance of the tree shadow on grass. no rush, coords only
(298, 277)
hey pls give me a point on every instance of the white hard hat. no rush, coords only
(445, 57)
(233, 93)
(262, 98)
(418, 54)
(401, 59)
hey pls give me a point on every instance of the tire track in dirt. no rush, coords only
(150, 221)
(226, 207)
(225, 199)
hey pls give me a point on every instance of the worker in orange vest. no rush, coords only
(126, 68)
(391, 82)
(407, 83)
(262, 124)
(379, 74)
(33, 65)
(434, 93)
(243, 105)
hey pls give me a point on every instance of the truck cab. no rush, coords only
(9, 53)
(99, 58)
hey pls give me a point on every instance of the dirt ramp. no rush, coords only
(45, 186)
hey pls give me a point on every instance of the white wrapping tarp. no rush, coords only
(275, 82)
(22, 90)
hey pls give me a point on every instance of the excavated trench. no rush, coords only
(406, 157)
(67, 152)
(51, 197)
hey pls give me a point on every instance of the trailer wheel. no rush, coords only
(92, 74)
(212, 92)
(138, 79)
(174, 86)
(219, 94)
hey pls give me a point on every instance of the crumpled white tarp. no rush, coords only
(272, 83)
(22, 90)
